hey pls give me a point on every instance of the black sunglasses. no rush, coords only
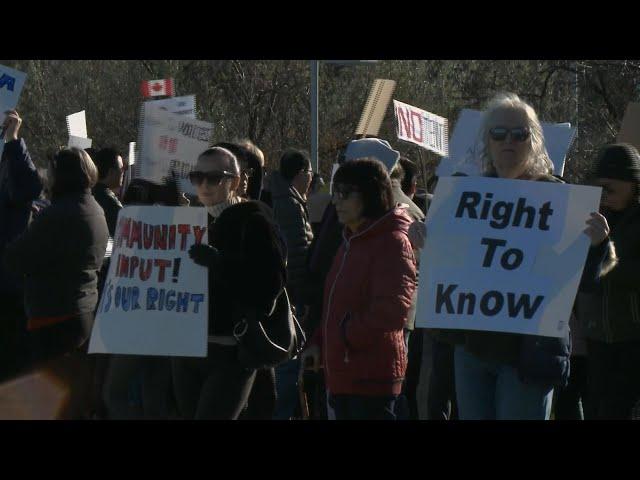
(212, 178)
(518, 134)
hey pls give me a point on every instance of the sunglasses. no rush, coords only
(212, 178)
(342, 193)
(518, 134)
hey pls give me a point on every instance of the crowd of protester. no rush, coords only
(344, 262)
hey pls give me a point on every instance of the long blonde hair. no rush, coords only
(538, 162)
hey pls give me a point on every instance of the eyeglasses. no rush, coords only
(518, 134)
(342, 193)
(247, 172)
(212, 178)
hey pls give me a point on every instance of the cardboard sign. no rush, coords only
(375, 107)
(466, 146)
(172, 143)
(503, 255)
(155, 298)
(79, 142)
(422, 128)
(77, 124)
(630, 128)
(179, 105)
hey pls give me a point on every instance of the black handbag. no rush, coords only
(267, 340)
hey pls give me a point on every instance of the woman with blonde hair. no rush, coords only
(506, 376)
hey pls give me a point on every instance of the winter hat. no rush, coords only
(620, 161)
(373, 147)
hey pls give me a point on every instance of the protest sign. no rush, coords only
(185, 105)
(465, 147)
(171, 145)
(422, 128)
(79, 142)
(503, 255)
(11, 83)
(77, 124)
(155, 298)
(630, 128)
(375, 107)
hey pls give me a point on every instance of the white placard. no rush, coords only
(503, 255)
(11, 84)
(77, 125)
(79, 142)
(132, 153)
(155, 298)
(172, 143)
(179, 105)
(422, 128)
(465, 146)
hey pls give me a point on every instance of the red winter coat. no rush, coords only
(367, 297)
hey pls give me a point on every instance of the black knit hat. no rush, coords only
(620, 161)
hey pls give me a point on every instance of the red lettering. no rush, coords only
(136, 234)
(198, 233)
(123, 265)
(160, 237)
(184, 230)
(148, 236)
(413, 126)
(172, 237)
(135, 261)
(125, 231)
(145, 273)
(162, 264)
(406, 121)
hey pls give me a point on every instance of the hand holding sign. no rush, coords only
(11, 125)
(598, 229)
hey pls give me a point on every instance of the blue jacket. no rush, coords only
(19, 186)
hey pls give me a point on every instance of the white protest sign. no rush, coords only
(178, 105)
(155, 298)
(11, 83)
(422, 128)
(503, 255)
(77, 124)
(465, 147)
(79, 142)
(172, 143)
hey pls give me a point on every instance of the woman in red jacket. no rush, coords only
(367, 297)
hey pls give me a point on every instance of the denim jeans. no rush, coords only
(363, 407)
(287, 389)
(491, 391)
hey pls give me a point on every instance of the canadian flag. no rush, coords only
(156, 88)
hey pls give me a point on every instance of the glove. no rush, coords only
(204, 255)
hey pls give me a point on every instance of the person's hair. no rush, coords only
(237, 151)
(255, 156)
(410, 173)
(106, 159)
(72, 170)
(145, 192)
(292, 163)
(538, 162)
(218, 151)
(370, 178)
(432, 183)
(397, 172)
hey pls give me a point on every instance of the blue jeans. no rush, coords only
(492, 391)
(287, 389)
(362, 407)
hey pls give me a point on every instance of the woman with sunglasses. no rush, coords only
(246, 269)
(504, 376)
(367, 297)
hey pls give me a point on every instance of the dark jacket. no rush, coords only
(250, 268)
(109, 203)
(291, 215)
(367, 297)
(614, 302)
(19, 186)
(60, 255)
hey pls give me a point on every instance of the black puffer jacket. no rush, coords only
(60, 255)
(250, 268)
(290, 212)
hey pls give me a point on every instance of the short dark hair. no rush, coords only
(410, 173)
(370, 178)
(292, 163)
(105, 160)
(72, 171)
